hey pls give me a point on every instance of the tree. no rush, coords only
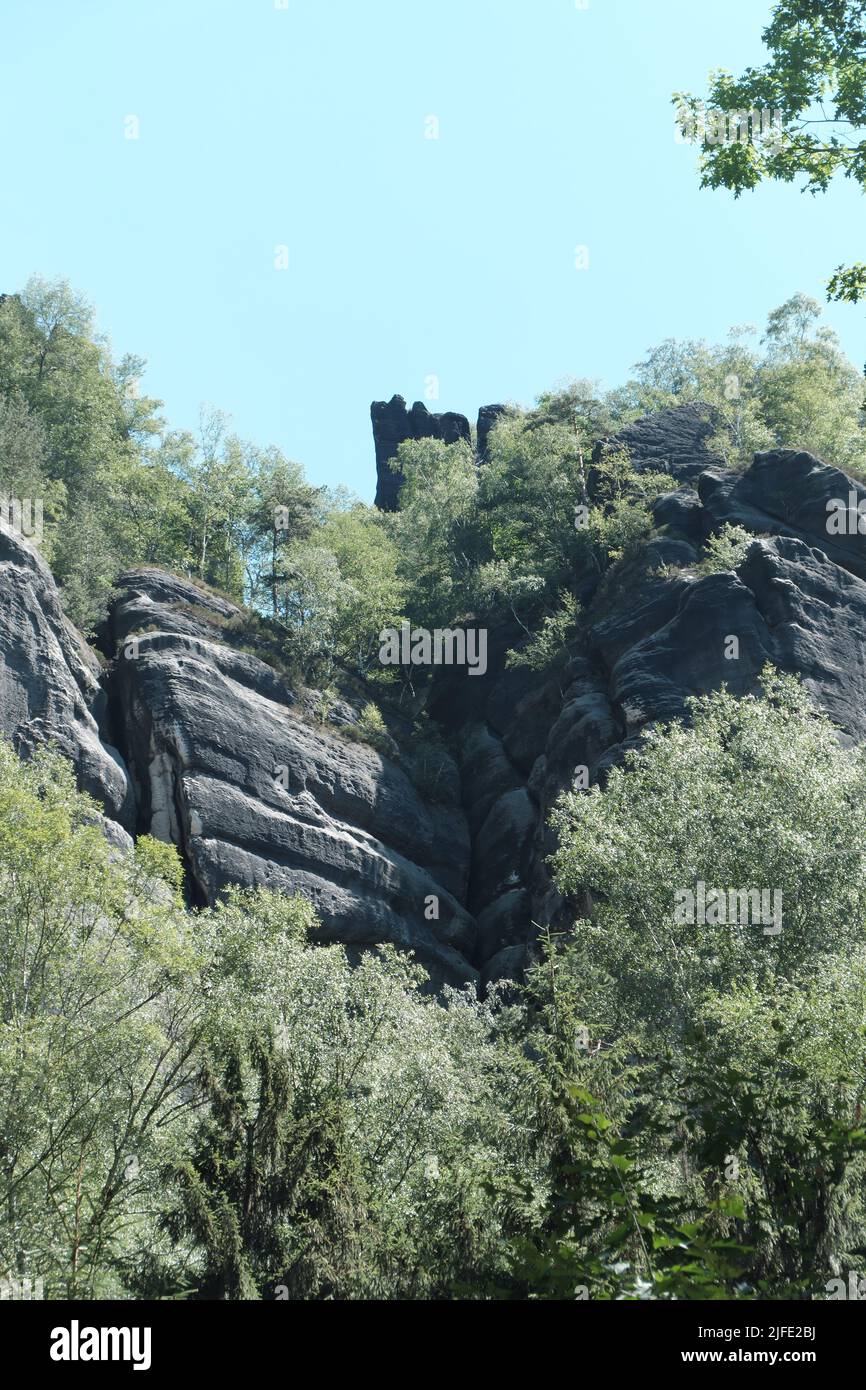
(727, 1165)
(750, 794)
(350, 1120)
(218, 481)
(98, 1025)
(92, 430)
(282, 513)
(814, 88)
(531, 485)
(810, 395)
(270, 1180)
(771, 1087)
(434, 528)
(613, 1218)
(311, 596)
(794, 389)
(585, 411)
(370, 565)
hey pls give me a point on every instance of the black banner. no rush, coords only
(161, 1339)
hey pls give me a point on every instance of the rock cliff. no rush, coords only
(192, 739)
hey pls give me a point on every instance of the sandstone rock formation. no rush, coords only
(392, 425)
(203, 744)
(50, 689)
(658, 640)
(487, 418)
(227, 766)
(676, 441)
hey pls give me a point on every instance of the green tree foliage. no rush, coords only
(747, 1044)
(816, 80)
(98, 1024)
(551, 643)
(211, 1104)
(726, 550)
(118, 488)
(370, 566)
(351, 1120)
(691, 806)
(434, 529)
(280, 513)
(510, 536)
(89, 426)
(616, 1218)
(222, 1105)
(794, 390)
(771, 1090)
(728, 1167)
(534, 479)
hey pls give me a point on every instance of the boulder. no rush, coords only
(681, 512)
(788, 492)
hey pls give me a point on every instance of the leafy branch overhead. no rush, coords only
(802, 115)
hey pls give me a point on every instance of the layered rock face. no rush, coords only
(228, 765)
(203, 744)
(653, 642)
(50, 690)
(675, 441)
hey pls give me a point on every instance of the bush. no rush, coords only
(726, 550)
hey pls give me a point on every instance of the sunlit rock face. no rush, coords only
(50, 683)
(229, 767)
(187, 737)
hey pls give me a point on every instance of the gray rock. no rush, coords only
(688, 654)
(50, 689)
(508, 964)
(393, 424)
(815, 614)
(251, 791)
(487, 772)
(501, 853)
(674, 441)
(488, 415)
(504, 922)
(786, 492)
(681, 511)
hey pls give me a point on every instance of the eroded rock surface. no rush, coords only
(230, 768)
(206, 745)
(663, 635)
(50, 691)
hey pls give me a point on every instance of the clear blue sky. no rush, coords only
(408, 257)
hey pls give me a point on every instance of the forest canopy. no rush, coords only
(213, 1104)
